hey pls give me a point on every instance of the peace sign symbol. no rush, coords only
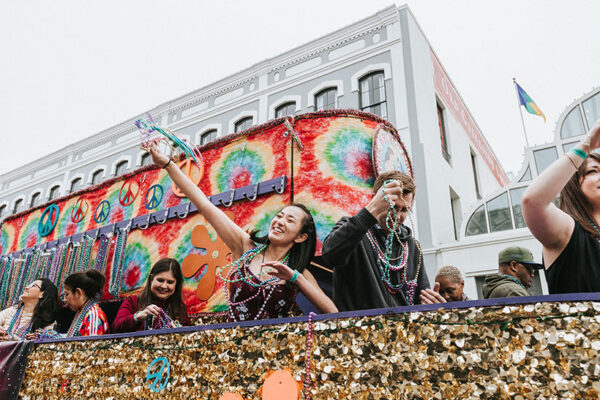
(159, 383)
(132, 189)
(79, 211)
(154, 196)
(48, 220)
(192, 171)
(102, 211)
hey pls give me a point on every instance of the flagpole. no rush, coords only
(521, 112)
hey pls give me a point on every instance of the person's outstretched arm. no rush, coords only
(234, 237)
(550, 225)
(306, 283)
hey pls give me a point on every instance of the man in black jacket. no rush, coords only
(364, 276)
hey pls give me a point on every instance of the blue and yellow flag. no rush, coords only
(528, 103)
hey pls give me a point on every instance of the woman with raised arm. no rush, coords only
(34, 313)
(569, 234)
(159, 305)
(281, 256)
(80, 290)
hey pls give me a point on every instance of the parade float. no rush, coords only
(544, 347)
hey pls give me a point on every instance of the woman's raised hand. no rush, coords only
(593, 137)
(157, 157)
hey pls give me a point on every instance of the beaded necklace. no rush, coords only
(163, 321)
(78, 319)
(515, 280)
(117, 264)
(307, 382)
(15, 279)
(384, 257)
(102, 255)
(14, 328)
(266, 288)
(4, 279)
(594, 226)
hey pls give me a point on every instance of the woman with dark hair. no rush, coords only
(569, 234)
(159, 305)
(80, 291)
(264, 279)
(35, 312)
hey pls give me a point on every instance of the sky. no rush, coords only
(70, 69)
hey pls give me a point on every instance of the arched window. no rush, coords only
(146, 159)
(121, 168)
(2, 210)
(208, 136)
(372, 94)
(572, 125)
(477, 223)
(54, 191)
(285, 109)
(97, 177)
(17, 206)
(35, 199)
(243, 124)
(326, 99)
(75, 185)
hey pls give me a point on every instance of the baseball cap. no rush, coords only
(518, 254)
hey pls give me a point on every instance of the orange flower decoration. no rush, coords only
(216, 256)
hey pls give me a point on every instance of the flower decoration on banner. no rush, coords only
(129, 192)
(195, 173)
(102, 212)
(216, 256)
(345, 155)
(280, 385)
(141, 249)
(231, 396)
(79, 211)
(6, 233)
(241, 165)
(154, 196)
(48, 220)
(29, 235)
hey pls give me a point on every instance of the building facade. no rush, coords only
(382, 64)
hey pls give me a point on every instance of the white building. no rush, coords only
(382, 64)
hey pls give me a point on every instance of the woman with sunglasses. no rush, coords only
(35, 312)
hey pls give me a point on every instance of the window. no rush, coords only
(526, 176)
(35, 199)
(568, 146)
(475, 174)
(591, 109)
(573, 125)
(499, 213)
(17, 206)
(208, 136)
(477, 224)
(75, 185)
(54, 192)
(285, 109)
(243, 124)
(516, 196)
(456, 213)
(372, 94)
(146, 159)
(443, 136)
(326, 99)
(2, 209)
(97, 177)
(544, 157)
(121, 168)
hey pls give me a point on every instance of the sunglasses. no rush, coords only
(33, 284)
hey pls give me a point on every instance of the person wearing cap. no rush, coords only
(516, 269)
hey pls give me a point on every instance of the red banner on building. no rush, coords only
(452, 100)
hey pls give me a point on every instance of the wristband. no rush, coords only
(135, 317)
(295, 276)
(579, 152)
(167, 164)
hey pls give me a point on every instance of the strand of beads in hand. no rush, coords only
(238, 265)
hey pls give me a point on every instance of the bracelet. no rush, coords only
(135, 317)
(579, 152)
(295, 276)
(167, 164)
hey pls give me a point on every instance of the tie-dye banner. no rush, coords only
(332, 175)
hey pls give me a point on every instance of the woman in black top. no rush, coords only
(569, 234)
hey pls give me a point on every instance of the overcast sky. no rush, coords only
(69, 69)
